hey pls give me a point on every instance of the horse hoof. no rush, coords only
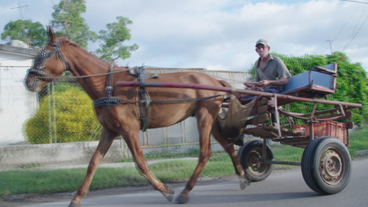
(182, 199)
(243, 185)
(170, 195)
(244, 182)
(73, 204)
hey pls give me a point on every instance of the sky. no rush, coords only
(219, 34)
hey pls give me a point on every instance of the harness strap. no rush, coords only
(186, 100)
(143, 95)
(109, 88)
(109, 100)
(114, 101)
(145, 124)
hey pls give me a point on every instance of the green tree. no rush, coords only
(35, 32)
(68, 21)
(112, 47)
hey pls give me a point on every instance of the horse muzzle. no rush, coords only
(35, 79)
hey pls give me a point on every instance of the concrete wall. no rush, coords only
(54, 154)
(14, 156)
(16, 103)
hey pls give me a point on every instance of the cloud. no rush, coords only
(220, 34)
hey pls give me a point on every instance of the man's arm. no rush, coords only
(279, 82)
(251, 84)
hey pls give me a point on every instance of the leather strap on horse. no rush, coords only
(143, 95)
(109, 87)
(109, 100)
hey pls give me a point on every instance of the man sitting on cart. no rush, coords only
(271, 73)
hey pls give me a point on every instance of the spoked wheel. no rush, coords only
(326, 165)
(250, 155)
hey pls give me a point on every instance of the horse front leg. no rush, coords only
(107, 137)
(229, 148)
(132, 139)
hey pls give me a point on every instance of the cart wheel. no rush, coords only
(326, 165)
(250, 155)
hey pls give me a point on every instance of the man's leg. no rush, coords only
(270, 109)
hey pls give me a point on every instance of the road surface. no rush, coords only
(281, 189)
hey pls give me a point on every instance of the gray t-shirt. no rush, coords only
(275, 69)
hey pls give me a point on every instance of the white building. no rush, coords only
(16, 103)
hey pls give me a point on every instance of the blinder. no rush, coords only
(41, 59)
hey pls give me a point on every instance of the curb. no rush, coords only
(361, 153)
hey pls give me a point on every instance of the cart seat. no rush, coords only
(318, 82)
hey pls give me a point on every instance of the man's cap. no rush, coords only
(262, 42)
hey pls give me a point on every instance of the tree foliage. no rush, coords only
(68, 21)
(35, 32)
(112, 47)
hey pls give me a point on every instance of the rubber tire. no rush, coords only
(254, 148)
(311, 169)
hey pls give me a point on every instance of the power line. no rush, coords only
(345, 24)
(360, 23)
(357, 27)
(356, 33)
(355, 1)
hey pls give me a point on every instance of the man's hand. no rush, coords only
(247, 84)
(264, 83)
(280, 82)
(251, 84)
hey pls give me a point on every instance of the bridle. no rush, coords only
(41, 59)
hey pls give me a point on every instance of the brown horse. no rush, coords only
(60, 55)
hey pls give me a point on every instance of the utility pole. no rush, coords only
(21, 20)
(330, 45)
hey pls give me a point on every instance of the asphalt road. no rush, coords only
(281, 189)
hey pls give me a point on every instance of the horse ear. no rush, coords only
(51, 33)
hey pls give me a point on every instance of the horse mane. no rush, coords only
(67, 46)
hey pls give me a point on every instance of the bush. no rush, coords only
(75, 119)
(351, 83)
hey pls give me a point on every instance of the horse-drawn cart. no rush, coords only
(326, 162)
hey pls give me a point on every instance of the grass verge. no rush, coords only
(28, 180)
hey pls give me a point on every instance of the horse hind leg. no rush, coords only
(132, 140)
(107, 137)
(204, 122)
(229, 148)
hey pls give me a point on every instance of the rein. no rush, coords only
(120, 101)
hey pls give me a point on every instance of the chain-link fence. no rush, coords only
(63, 112)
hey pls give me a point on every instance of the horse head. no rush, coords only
(48, 64)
